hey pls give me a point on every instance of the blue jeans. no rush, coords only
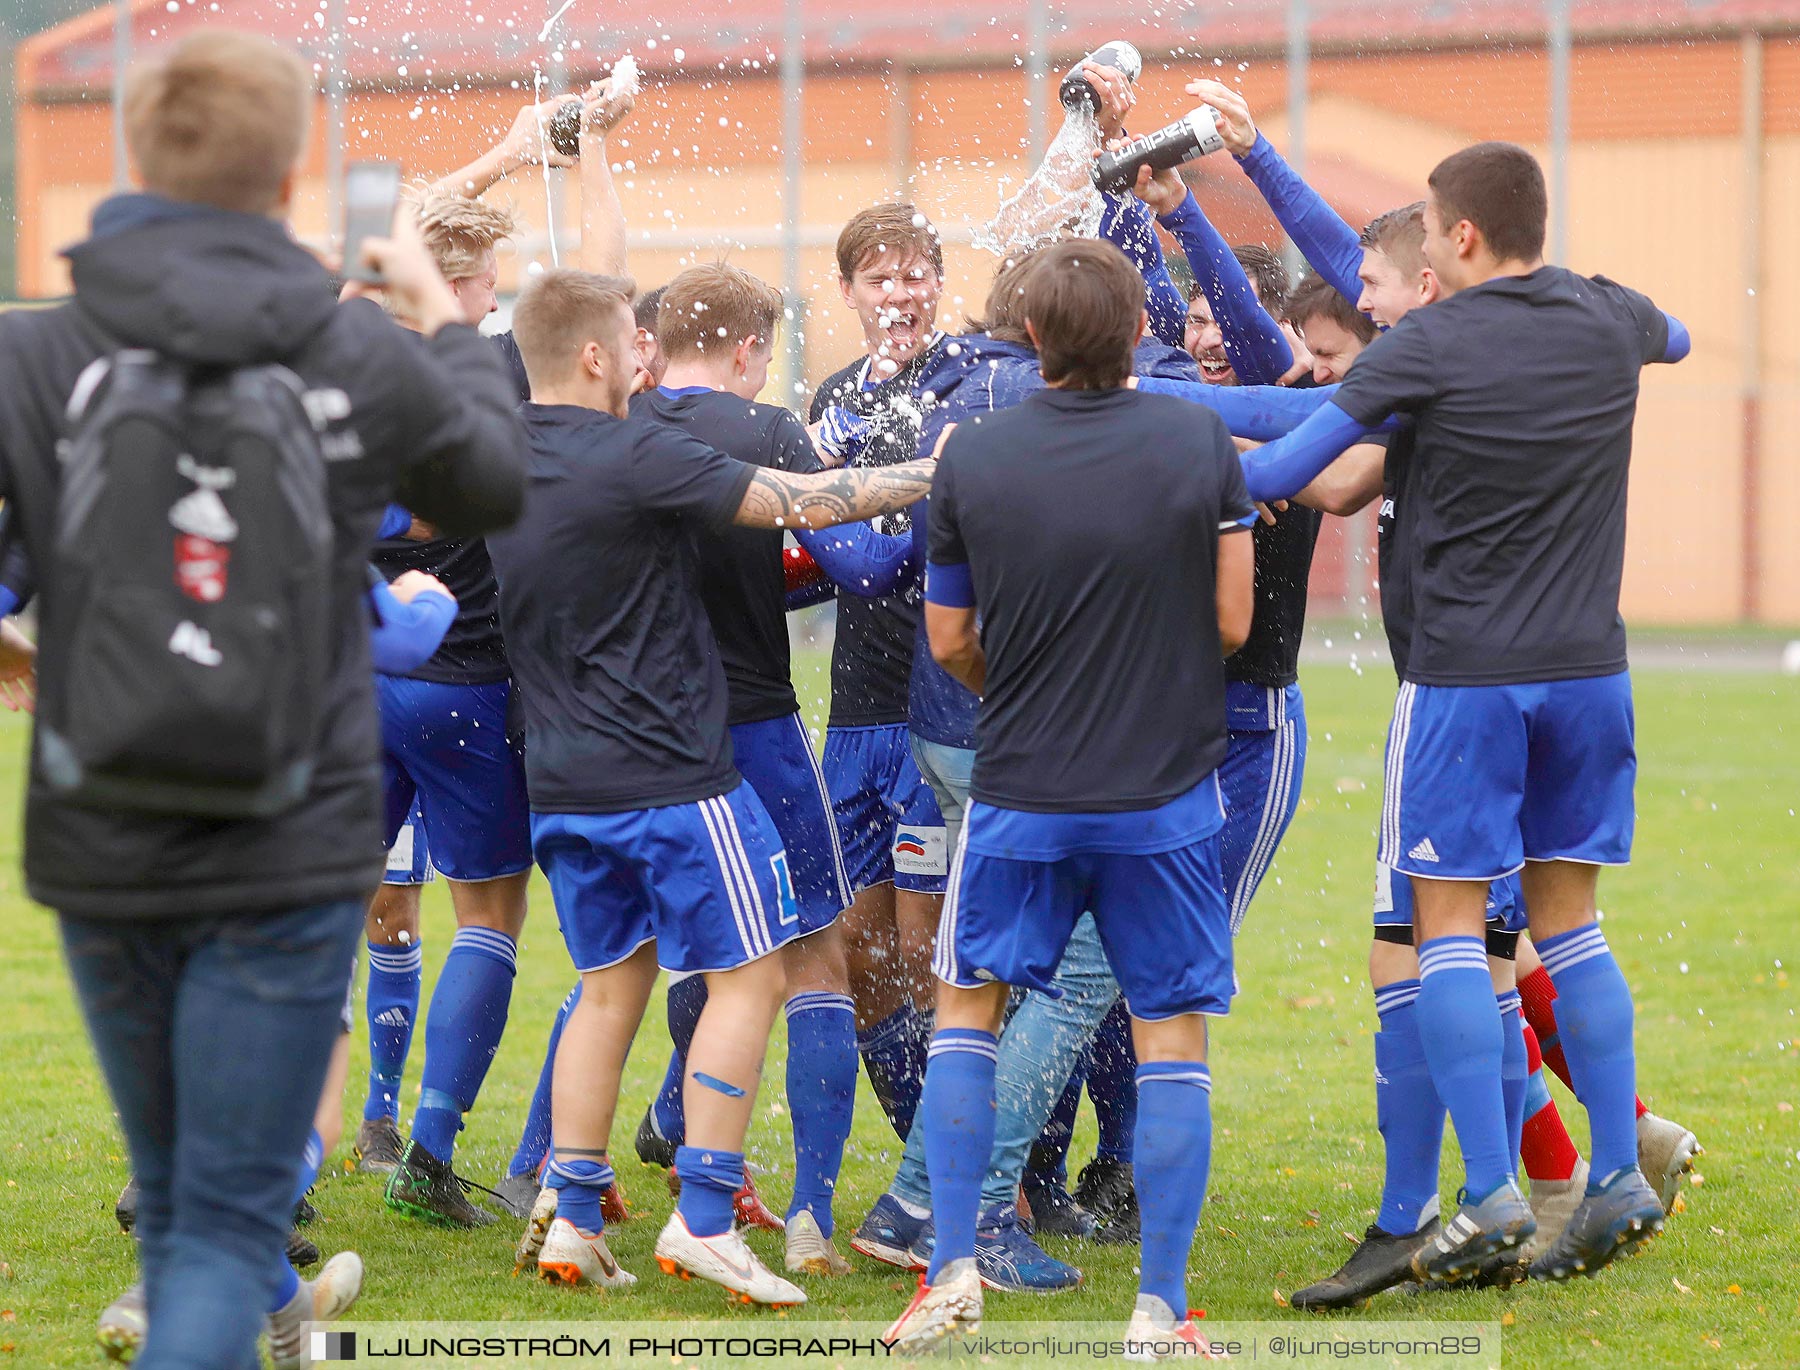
(214, 1036)
(1044, 1038)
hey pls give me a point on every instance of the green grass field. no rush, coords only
(1703, 924)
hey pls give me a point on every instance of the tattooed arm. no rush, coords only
(782, 499)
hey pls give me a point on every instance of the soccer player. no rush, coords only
(716, 331)
(1332, 328)
(445, 735)
(890, 272)
(654, 849)
(1095, 530)
(1516, 724)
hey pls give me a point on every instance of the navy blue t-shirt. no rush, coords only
(871, 658)
(1085, 526)
(741, 580)
(623, 692)
(473, 651)
(1524, 390)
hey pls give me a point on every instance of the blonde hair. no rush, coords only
(715, 306)
(219, 119)
(460, 232)
(560, 313)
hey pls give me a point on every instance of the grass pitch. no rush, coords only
(1704, 924)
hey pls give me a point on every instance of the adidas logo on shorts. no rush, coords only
(1423, 852)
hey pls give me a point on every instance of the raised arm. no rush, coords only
(524, 144)
(1258, 351)
(604, 107)
(782, 499)
(1127, 225)
(1324, 239)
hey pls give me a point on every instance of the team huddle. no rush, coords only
(994, 886)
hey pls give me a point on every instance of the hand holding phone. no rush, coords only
(371, 194)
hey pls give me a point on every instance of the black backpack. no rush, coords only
(192, 563)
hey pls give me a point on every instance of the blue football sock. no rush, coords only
(1169, 1164)
(1459, 1023)
(821, 1087)
(893, 1051)
(462, 1033)
(957, 1112)
(392, 1008)
(686, 999)
(1515, 1073)
(578, 1181)
(1408, 1111)
(534, 1137)
(1112, 1084)
(1594, 1016)
(286, 1288)
(710, 1181)
(312, 1156)
(1048, 1162)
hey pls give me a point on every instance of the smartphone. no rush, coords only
(371, 194)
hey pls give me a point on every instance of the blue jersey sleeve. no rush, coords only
(1254, 343)
(1317, 229)
(395, 520)
(1679, 344)
(1127, 225)
(868, 564)
(405, 635)
(1260, 413)
(1283, 468)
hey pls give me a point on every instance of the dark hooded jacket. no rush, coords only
(437, 432)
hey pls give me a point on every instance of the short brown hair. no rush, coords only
(460, 232)
(561, 312)
(873, 231)
(219, 119)
(1084, 300)
(1399, 235)
(1004, 317)
(1317, 298)
(1498, 187)
(1267, 272)
(645, 307)
(715, 307)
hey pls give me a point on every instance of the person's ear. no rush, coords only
(593, 360)
(1142, 324)
(1031, 333)
(746, 349)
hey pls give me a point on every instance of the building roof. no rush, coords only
(412, 42)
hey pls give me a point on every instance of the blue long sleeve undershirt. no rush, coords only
(1324, 239)
(1260, 413)
(1258, 350)
(404, 635)
(1127, 224)
(1283, 468)
(868, 564)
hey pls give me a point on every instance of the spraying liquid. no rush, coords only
(537, 99)
(1058, 200)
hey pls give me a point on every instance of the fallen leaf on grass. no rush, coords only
(1280, 1302)
(1680, 1288)
(1679, 1206)
(1734, 1289)
(1784, 1107)
(1507, 1319)
(1696, 1180)
(1717, 1231)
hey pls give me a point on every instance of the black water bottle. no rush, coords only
(1193, 135)
(564, 128)
(1075, 91)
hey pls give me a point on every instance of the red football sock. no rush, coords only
(1545, 1146)
(1538, 996)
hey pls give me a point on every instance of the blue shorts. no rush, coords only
(776, 758)
(1260, 778)
(1162, 918)
(1483, 778)
(444, 747)
(887, 816)
(707, 882)
(1394, 901)
(409, 854)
